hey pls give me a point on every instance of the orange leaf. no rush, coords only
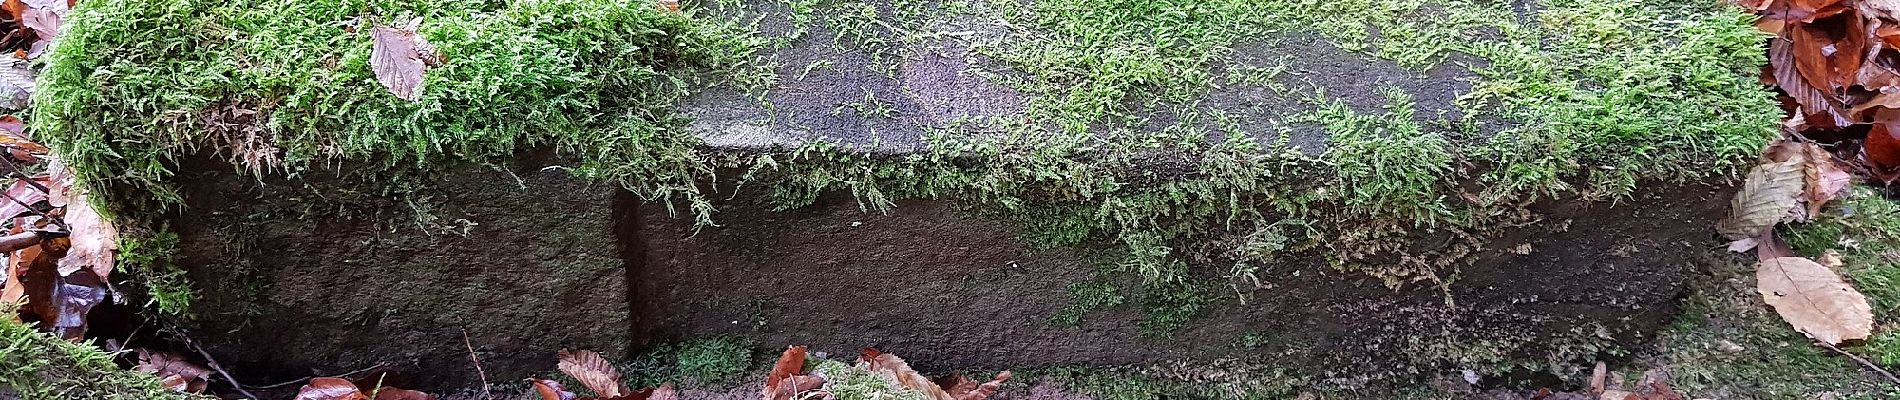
(551, 390)
(1882, 150)
(1819, 108)
(393, 393)
(791, 362)
(1828, 53)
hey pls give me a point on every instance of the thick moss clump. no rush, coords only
(38, 366)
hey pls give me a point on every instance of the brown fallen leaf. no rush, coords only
(790, 363)
(1597, 377)
(664, 392)
(329, 389)
(593, 372)
(94, 241)
(896, 370)
(1818, 107)
(551, 390)
(1825, 178)
(392, 393)
(398, 57)
(1814, 300)
(174, 371)
(1768, 194)
(1881, 152)
(980, 392)
(1829, 52)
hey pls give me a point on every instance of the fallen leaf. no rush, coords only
(1768, 194)
(896, 370)
(1799, 10)
(392, 393)
(551, 390)
(94, 241)
(593, 372)
(664, 392)
(1814, 300)
(173, 371)
(1881, 151)
(399, 56)
(791, 363)
(1825, 178)
(1597, 377)
(1818, 107)
(330, 389)
(981, 392)
(1829, 52)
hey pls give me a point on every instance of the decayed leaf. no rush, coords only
(330, 389)
(592, 371)
(399, 56)
(94, 241)
(1814, 300)
(174, 371)
(1767, 195)
(13, 136)
(551, 390)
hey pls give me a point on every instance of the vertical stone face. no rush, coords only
(320, 276)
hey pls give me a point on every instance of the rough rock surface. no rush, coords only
(314, 277)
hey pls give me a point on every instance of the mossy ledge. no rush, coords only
(1571, 99)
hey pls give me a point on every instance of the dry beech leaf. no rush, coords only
(399, 56)
(790, 363)
(1767, 195)
(94, 241)
(1825, 178)
(551, 390)
(1828, 52)
(1597, 377)
(980, 392)
(1814, 300)
(1818, 107)
(173, 371)
(592, 371)
(330, 389)
(664, 392)
(392, 393)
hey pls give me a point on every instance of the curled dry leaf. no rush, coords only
(399, 56)
(173, 371)
(1768, 194)
(980, 392)
(1814, 300)
(790, 363)
(551, 390)
(1825, 178)
(592, 371)
(664, 392)
(1829, 52)
(330, 389)
(896, 370)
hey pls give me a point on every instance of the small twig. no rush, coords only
(307, 379)
(213, 363)
(478, 363)
(1863, 362)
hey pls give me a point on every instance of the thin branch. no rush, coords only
(307, 379)
(1863, 362)
(478, 364)
(213, 363)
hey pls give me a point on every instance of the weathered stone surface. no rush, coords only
(949, 291)
(319, 276)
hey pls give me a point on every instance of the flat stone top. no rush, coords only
(886, 77)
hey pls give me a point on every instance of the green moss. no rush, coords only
(704, 362)
(1215, 380)
(850, 383)
(37, 366)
